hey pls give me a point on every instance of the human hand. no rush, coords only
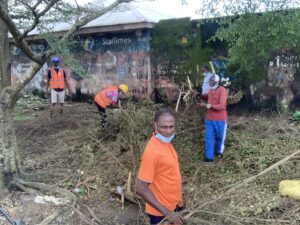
(208, 106)
(175, 218)
(47, 93)
(201, 104)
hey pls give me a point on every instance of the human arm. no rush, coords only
(113, 95)
(66, 81)
(201, 105)
(204, 96)
(142, 189)
(48, 82)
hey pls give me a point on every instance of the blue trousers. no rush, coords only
(157, 219)
(215, 134)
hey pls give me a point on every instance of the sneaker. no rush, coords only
(208, 160)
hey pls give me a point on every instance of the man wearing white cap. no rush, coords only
(216, 119)
(206, 76)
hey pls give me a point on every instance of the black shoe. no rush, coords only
(208, 160)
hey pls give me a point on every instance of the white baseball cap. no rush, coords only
(215, 77)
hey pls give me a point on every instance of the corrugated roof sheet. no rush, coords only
(135, 12)
(131, 13)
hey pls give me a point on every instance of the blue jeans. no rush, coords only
(215, 134)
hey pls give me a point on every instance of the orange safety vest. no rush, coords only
(57, 79)
(102, 97)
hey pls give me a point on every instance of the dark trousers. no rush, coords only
(103, 116)
(157, 219)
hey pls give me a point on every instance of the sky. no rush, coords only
(170, 7)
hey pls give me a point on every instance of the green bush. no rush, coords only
(296, 115)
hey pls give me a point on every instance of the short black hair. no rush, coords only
(163, 112)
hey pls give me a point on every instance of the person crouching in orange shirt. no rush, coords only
(107, 97)
(159, 178)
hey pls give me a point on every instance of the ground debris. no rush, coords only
(76, 143)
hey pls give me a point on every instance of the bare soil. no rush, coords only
(53, 145)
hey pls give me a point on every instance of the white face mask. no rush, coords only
(215, 86)
(162, 137)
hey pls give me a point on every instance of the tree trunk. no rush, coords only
(4, 69)
(8, 145)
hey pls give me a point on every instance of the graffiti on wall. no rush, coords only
(110, 68)
(286, 61)
(19, 68)
(14, 50)
(37, 47)
(280, 82)
(107, 59)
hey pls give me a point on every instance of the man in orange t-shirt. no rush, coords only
(159, 178)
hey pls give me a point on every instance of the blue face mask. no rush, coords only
(163, 138)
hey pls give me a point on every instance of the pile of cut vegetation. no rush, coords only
(241, 188)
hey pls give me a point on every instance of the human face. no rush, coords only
(165, 125)
(212, 82)
(121, 94)
(56, 64)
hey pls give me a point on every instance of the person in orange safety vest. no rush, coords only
(57, 83)
(107, 97)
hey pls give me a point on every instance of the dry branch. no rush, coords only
(274, 166)
(49, 218)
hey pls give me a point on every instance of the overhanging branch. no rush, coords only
(87, 19)
(37, 16)
(19, 40)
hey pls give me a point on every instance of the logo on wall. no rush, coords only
(38, 48)
(140, 36)
(110, 60)
(87, 43)
(286, 61)
(14, 50)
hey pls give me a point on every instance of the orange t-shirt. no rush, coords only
(160, 168)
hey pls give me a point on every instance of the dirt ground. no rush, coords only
(53, 145)
(72, 153)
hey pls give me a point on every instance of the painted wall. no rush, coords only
(108, 59)
(282, 82)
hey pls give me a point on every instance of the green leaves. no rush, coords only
(254, 38)
(296, 115)
(177, 45)
(256, 31)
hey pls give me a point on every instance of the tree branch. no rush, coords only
(37, 16)
(19, 39)
(87, 19)
(15, 89)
